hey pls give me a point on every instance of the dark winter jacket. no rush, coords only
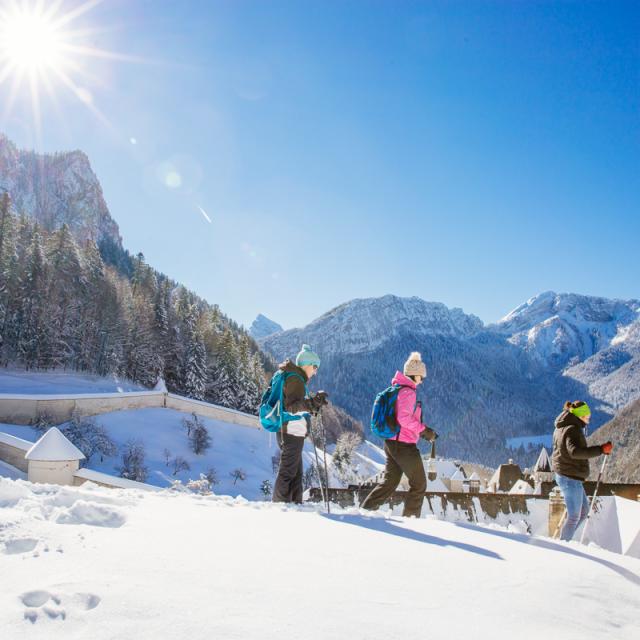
(570, 450)
(294, 389)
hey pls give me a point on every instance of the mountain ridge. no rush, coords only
(483, 385)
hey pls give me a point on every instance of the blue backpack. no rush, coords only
(272, 413)
(383, 414)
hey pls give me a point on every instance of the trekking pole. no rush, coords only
(431, 465)
(593, 500)
(324, 453)
(556, 533)
(315, 451)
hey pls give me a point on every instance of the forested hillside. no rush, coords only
(80, 306)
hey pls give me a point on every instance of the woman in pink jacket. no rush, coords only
(402, 453)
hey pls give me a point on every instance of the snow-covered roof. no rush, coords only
(444, 468)
(458, 475)
(437, 486)
(474, 476)
(54, 446)
(543, 463)
(14, 441)
(521, 488)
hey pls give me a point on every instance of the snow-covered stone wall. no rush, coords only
(25, 409)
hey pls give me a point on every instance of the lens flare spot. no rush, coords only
(173, 180)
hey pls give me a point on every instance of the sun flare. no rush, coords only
(46, 47)
(29, 41)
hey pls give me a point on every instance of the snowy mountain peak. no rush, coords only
(263, 327)
(57, 189)
(562, 329)
(569, 305)
(363, 324)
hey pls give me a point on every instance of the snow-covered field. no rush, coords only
(18, 381)
(114, 564)
(232, 447)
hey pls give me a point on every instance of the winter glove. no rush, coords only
(606, 448)
(317, 401)
(429, 434)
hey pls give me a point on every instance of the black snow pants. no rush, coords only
(288, 487)
(402, 457)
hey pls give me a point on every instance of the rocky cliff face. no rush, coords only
(57, 189)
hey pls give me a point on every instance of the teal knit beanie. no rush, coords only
(306, 356)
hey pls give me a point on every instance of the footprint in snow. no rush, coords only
(19, 545)
(43, 605)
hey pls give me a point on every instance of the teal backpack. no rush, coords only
(272, 413)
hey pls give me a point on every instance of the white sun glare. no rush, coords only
(40, 48)
(29, 41)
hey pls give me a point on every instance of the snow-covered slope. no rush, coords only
(613, 374)
(93, 563)
(263, 327)
(57, 189)
(564, 329)
(232, 447)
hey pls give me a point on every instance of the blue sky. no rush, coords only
(473, 153)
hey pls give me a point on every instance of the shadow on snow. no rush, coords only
(553, 546)
(386, 526)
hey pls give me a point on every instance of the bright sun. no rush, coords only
(44, 46)
(30, 41)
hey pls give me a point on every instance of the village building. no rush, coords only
(53, 459)
(505, 477)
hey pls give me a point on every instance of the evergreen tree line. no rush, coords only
(100, 310)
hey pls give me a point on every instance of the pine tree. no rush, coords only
(7, 260)
(33, 339)
(195, 365)
(68, 287)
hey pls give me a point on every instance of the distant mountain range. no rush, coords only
(485, 383)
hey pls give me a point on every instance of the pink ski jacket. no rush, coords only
(408, 414)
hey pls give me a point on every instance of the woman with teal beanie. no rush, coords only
(288, 486)
(570, 462)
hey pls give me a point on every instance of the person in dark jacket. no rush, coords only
(403, 455)
(288, 486)
(570, 462)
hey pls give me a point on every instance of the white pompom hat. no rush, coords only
(414, 366)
